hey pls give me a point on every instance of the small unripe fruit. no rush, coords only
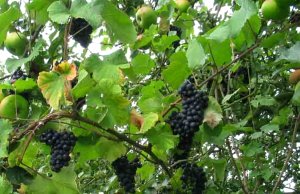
(14, 106)
(182, 5)
(271, 10)
(146, 16)
(295, 77)
(16, 43)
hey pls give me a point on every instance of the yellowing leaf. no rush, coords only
(68, 70)
(52, 86)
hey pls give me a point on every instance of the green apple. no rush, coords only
(16, 43)
(271, 10)
(145, 16)
(14, 106)
(182, 5)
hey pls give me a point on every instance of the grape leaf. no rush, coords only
(84, 84)
(6, 128)
(149, 121)
(234, 25)
(195, 54)
(177, 71)
(23, 85)
(111, 150)
(58, 12)
(62, 182)
(66, 69)
(52, 86)
(39, 9)
(162, 137)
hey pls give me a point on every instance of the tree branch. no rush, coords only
(289, 154)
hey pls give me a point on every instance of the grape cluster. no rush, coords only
(61, 144)
(81, 31)
(125, 171)
(193, 178)
(186, 123)
(18, 74)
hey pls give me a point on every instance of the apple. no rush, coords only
(271, 10)
(16, 43)
(14, 106)
(295, 77)
(182, 5)
(145, 16)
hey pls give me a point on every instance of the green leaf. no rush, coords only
(52, 87)
(229, 96)
(150, 95)
(269, 128)
(5, 186)
(14, 64)
(89, 11)
(146, 171)
(62, 182)
(273, 40)
(111, 150)
(195, 54)
(38, 8)
(84, 84)
(263, 101)
(177, 71)
(142, 64)
(118, 23)
(252, 149)
(6, 128)
(162, 138)
(162, 43)
(6, 19)
(219, 168)
(220, 52)
(296, 96)
(291, 54)
(117, 105)
(58, 12)
(150, 120)
(87, 143)
(23, 85)
(234, 25)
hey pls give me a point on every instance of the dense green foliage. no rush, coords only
(200, 98)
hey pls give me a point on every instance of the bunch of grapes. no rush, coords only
(61, 144)
(18, 74)
(193, 178)
(81, 31)
(186, 123)
(125, 171)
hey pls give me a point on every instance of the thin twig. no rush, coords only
(244, 187)
(289, 154)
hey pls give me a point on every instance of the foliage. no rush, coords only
(117, 104)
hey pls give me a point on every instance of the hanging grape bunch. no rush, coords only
(125, 171)
(186, 123)
(61, 144)
(193, 178)
(81, 31)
